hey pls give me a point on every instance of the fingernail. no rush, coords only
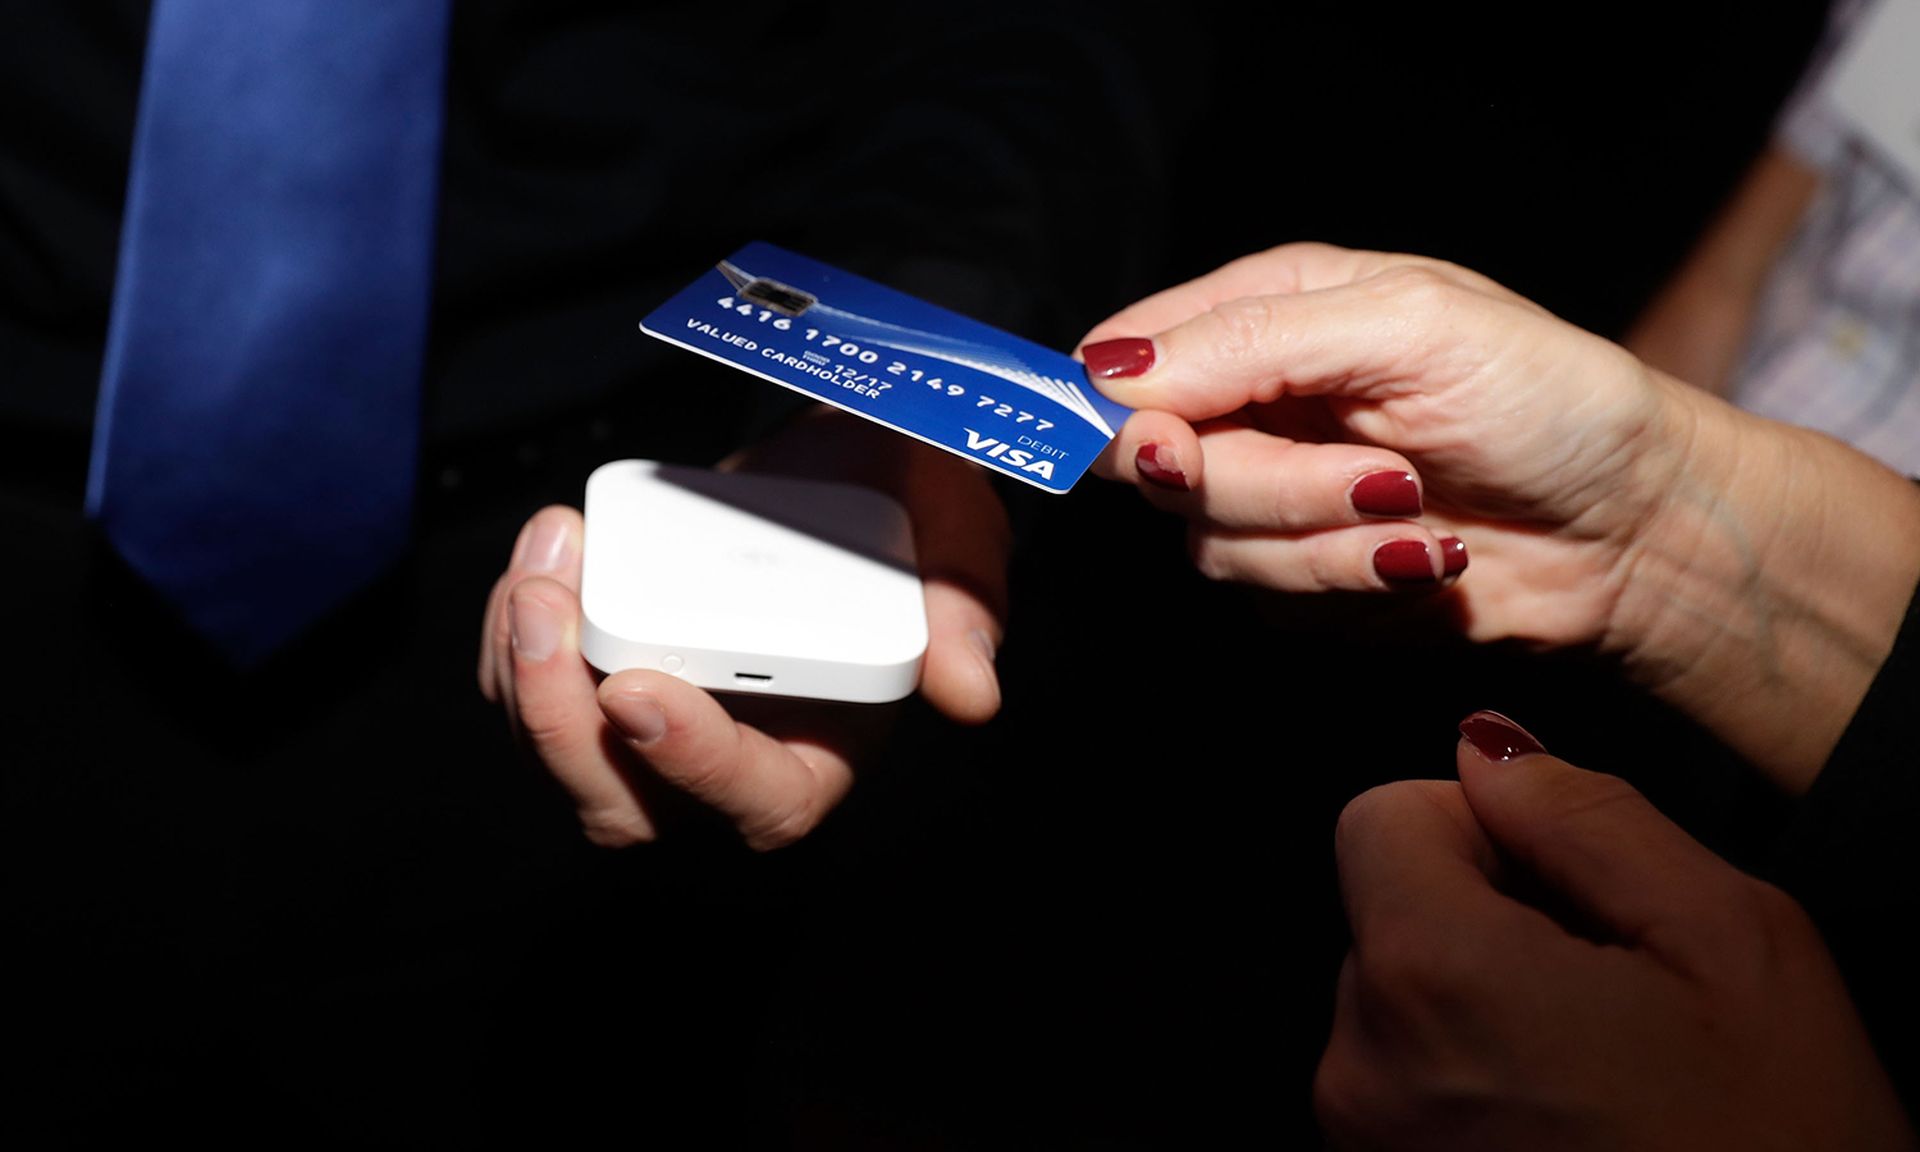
(1497, 738)
(543, 547)
(983, 644)
(1156, 462)
(1404, 562)
(1453, 555)
(1127, 356)
(1394, 494)
(534, 627)
(640, 718)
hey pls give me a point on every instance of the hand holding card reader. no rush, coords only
(744, 582)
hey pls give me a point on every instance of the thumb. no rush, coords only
(963, 541)
(1591, 838)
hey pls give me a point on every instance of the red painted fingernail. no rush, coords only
(1156, 462)
(1393, 494)
(1498, 738)
(1127, 356)
(1404, 562)
(1453, 555)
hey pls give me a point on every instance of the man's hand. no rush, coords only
(773, 768)
(1541, 960)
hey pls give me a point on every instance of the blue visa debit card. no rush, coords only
(955, 383)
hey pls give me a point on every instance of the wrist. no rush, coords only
(1764, 590)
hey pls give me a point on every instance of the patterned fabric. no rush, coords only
(1836, 341)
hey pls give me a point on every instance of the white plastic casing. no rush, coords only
(751, 583)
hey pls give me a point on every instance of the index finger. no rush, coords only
(772, 791)
(1285, 270)
(1363, 340)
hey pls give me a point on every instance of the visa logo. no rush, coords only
(1007, 454)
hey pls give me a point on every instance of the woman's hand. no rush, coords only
(1329, 409)
(1331, 419)
(1541, 960)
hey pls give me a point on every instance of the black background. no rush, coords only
(1106, 920)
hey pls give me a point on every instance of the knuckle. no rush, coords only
(547, 723)
(1364, 813)
(1417, 289)
(1589, 798)
(1344, 1100)
(781, 828)
(1277, 505)
(1377, 808)
(1775, 930)
(1242, 329)
(1208, 557)
(1324, 570)
(704, 778)
(1376, 812)
(615, 827)
(1407, 973)
(1775, 913)
(1281, 264)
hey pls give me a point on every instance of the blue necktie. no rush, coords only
(259, 416)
